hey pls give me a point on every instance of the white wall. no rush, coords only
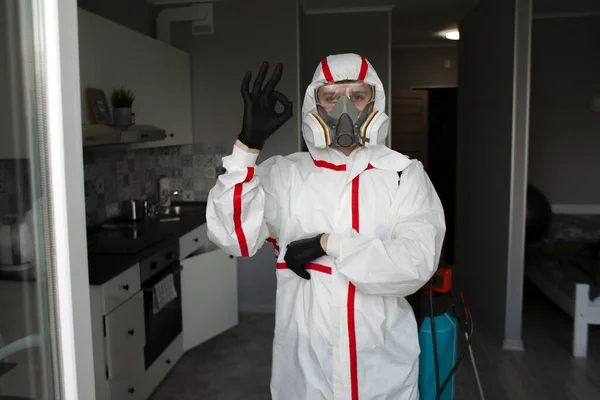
(424, 66)
(138, 15)
(246, 34)
(565, 134)
(375, 46)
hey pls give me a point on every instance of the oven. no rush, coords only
(164, 326)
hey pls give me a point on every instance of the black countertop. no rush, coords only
(103, 267)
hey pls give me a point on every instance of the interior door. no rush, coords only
(209, 295)
(410, 123)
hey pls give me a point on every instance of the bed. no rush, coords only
(565, 266)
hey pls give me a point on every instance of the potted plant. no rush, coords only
(122, 99)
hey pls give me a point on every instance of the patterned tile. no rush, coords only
(101, 200)
(121, 167)
(199, 184)
(186, 149)
(210, 172)
(139, 175)
(198, 148)
(112, 209)
(188, 195)
(188, 173)
(164, 160)
(100, 185)
(114, 176)
(188, 184)
(187, 160)
(176, 161)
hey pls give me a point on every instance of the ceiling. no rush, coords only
(419, 22)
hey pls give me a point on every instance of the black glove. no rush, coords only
(301, 252)
(260, 118)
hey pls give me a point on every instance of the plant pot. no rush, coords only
(123, 117)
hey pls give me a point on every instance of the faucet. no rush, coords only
(151, 211)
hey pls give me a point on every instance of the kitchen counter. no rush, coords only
(103, 267)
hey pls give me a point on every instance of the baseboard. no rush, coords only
(578, 209)
(513, 345)
(258, 308)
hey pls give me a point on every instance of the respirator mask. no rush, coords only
(344, 116)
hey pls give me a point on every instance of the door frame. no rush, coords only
(434, 87)
(65, 162)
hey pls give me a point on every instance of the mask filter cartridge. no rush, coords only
(344, 122)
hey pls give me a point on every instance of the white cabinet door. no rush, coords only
(169, 94)
(125, 337)
(112, 55)
(209, 296)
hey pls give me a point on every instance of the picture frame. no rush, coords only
(99, 106)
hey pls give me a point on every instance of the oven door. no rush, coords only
(163, 327)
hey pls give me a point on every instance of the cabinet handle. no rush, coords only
(131, 390)
(168, 361)
(125, 287)
(230, 256)
(131, 332)
(172, 135)
(196, 240)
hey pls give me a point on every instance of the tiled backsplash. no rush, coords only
(112, 177)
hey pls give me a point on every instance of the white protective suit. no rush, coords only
(347, 333)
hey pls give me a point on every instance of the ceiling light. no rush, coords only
(452, 35)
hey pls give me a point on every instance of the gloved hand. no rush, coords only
(301, 252)
(260, 118)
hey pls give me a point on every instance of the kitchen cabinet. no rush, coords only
(161, 367)
(112, 55)
(118, 336)
(209, 306)
(124, 333)
(209, 295)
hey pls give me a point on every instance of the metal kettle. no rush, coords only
(135, 210)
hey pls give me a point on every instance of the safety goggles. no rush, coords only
(359, 93)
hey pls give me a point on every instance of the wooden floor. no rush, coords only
(545, 370)
(237, 364)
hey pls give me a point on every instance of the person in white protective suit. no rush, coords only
(356, 226)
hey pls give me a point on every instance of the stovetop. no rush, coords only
(112, 251)
(123, 240)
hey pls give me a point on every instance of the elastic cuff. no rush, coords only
(333, 244)
(243, 158)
